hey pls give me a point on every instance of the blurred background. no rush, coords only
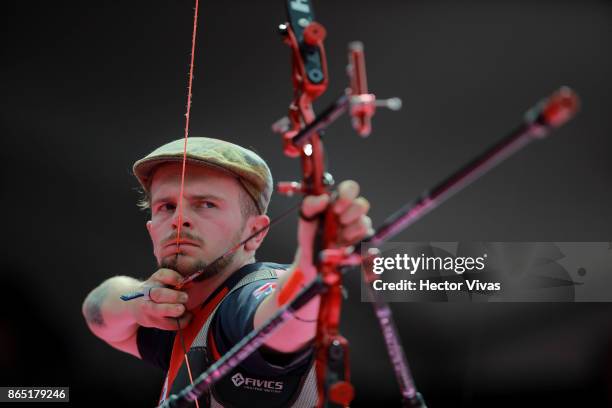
(89, 87)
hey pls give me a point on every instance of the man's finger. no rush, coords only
(357, 230)
(313, 205)
(167, 276)
(183, 321)
(166, 309)
(165, 295)
(169, 323)
(354, 211)
(348, 191)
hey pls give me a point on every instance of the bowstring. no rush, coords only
(184, 163)
(187, 117)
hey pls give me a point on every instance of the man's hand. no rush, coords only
(161, 305)
(353, 223)
(116, 321)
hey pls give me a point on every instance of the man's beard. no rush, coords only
(210, 269)
(179, 263)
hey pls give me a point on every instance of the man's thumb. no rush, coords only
(313, 205)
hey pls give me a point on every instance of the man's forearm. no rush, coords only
(296, 333)
(107, 316)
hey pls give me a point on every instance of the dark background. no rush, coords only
(88, 88)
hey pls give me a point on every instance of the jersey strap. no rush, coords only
(202, 317)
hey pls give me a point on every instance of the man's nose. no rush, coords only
(181, 218)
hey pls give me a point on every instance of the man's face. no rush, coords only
(212, 221)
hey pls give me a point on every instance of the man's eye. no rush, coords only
(166, 207)
(206, 204)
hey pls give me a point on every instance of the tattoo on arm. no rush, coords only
(93, 311)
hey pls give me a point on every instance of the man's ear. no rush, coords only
(253, 224)
(149, 226)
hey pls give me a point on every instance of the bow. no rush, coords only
(301, 133)
(302, 138)
(305, 38)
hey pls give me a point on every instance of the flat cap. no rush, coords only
(251, 170)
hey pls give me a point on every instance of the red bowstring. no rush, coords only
(187, 116)
(180, 206)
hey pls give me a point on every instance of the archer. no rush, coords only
(225, 198)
